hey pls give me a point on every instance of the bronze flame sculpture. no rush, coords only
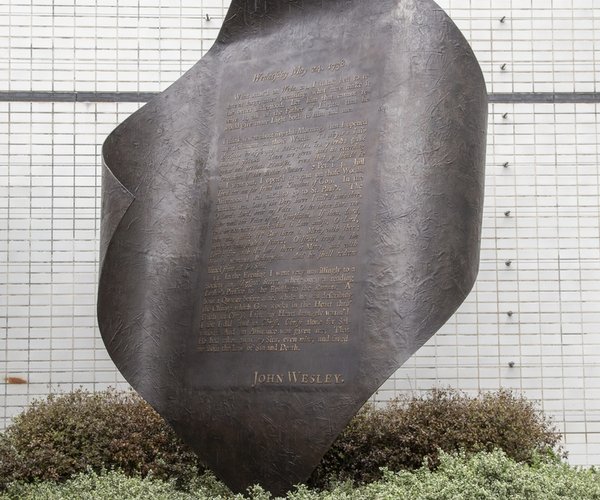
(285, 225)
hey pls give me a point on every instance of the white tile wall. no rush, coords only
(49, 198)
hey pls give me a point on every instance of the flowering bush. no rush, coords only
(70, 433)
(409, 431)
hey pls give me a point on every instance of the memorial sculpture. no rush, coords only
(285, 225)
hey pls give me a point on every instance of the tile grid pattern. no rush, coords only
(50, 187)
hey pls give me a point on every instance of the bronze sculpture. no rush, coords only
(289, 222)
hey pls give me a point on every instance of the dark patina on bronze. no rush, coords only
(289, 222)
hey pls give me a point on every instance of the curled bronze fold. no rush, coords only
(285, 225)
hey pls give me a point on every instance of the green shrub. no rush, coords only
(113, 485)
(69, 433)
(482, 476)
(109, 486)
(407, 432)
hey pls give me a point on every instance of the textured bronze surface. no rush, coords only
(289, 222)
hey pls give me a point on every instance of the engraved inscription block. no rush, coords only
(292, 150)
(289, 222)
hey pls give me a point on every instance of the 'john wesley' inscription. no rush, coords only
(291, 163)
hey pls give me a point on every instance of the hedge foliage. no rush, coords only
(482, 476)
(409, 431)
(67, 434)
(70, 433)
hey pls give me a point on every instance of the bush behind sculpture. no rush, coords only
(69, 433)
(409, 431)
(66, 434)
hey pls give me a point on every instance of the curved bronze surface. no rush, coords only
(289, 222)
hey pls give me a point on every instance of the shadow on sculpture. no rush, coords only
(289, 222)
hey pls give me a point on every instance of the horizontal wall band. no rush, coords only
(496, 97)
(35, 96)
(545, 97)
